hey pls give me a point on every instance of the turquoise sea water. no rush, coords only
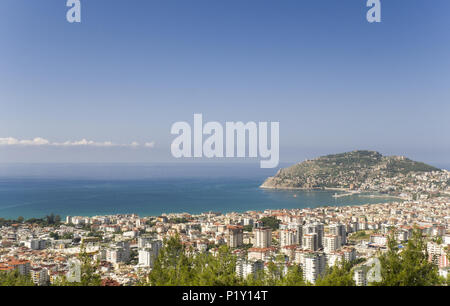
(38, 190)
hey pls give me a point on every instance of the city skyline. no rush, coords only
(224, 148)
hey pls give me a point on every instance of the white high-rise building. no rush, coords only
(334, 258)
(331, 243)
(349, 253)
(245, 268)
(119, 253)
(40, 276)
(248, 221)
(146, 257)
(310, 242)
(288, 237)
(235, 236)
(360, 276)
(149, 252)
(314, 265)
(144, 241)
(299, 231)
(340, 231)
(36, 244)
(263, 237)
(315, 228)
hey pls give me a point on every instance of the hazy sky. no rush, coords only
(133, 67)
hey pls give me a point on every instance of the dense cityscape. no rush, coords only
(124, 249)
(225, 151)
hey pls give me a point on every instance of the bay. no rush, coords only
(149, 189)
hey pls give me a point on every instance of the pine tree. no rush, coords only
(408, 266)
(88, 270)
(172, 266)
(338, 275)
(14, 278)
(293, 277)
(219, 270)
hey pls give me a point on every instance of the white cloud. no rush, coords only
(149, 144)
(39, 141)
(10, 141)
(84, 142)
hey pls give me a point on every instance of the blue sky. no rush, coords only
(132, 68)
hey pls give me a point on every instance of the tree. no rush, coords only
(248, 228)
(293, 277)
(14, 278)
(89, 275)
(409, 266)
(219, 270)
(271, 222)
(67, 236)
(338, 275)
(276, 274)
(273, 274)
(172, 266)
(50, 219)
(54, 235)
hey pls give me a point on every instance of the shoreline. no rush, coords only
(91, 199)
(349, 192)
(222, 211)
(177, 214)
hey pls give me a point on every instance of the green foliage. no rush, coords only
(275, 275)
(219, 270)
(7, 222)
(89, 272)
(50, 220)
(246, 246)
(272, 275)
(151, 222)
(54, 235)
(342, 170)
(360, 235)
(173, 267)
(271, 222)
(339, 275)
(67, 236)
(178, 220)
(64, 236)
(438, 240)
(248, 228)
(293, 277)
(409, 266)
(134, 257)
(14, 278)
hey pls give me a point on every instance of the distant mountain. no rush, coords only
(354, 170)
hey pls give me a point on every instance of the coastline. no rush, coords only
(348, 191)
(147, 197)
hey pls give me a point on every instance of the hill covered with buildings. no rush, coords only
(360, 170)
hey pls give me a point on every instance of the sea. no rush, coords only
(37, 190)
